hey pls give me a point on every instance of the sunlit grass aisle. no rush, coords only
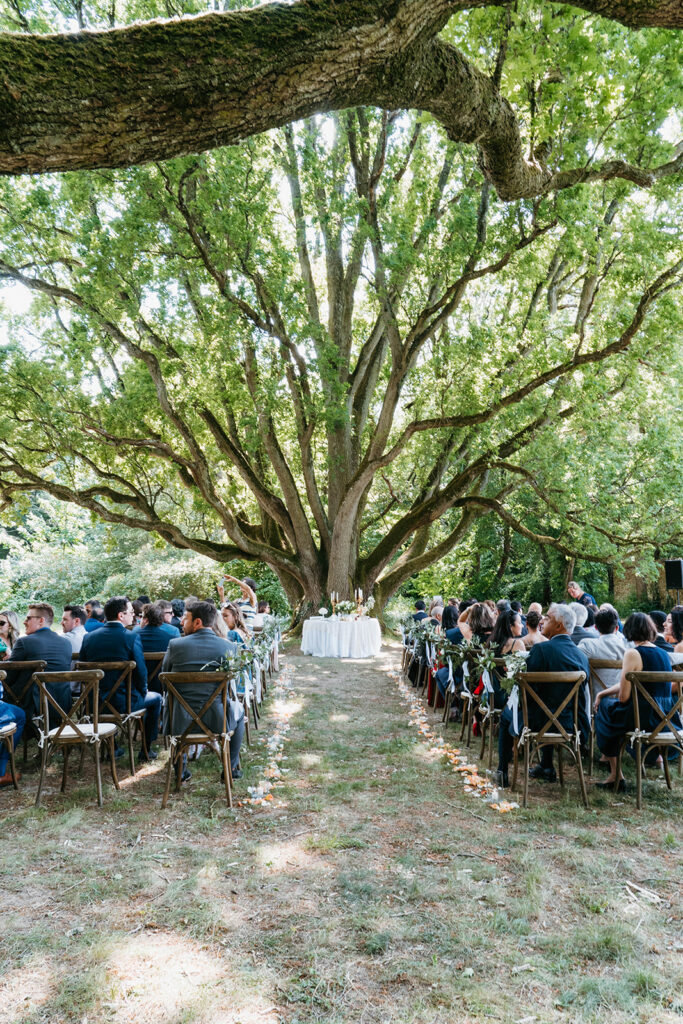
(371, 888)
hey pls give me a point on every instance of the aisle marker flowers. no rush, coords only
(477, 785)
(261, 794)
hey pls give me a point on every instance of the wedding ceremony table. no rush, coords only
(341, 638)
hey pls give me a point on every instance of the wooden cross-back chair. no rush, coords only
(595, 664)
(154, 661)
(665, 734)
(124, 720)
(490, 716)
(79, 726)
(470, 703)
(552, 733)
(16, 694)
(7, 740)
(196, 732)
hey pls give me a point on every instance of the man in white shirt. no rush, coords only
(609, 646)
(73, 625)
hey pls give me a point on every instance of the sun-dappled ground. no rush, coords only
(371, 889)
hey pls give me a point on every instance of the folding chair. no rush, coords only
(124, 720)
(7, 740)
(15, 693)
(202, 735)
(552, 733)
(595, 664)
(664, 735)
(80, 726)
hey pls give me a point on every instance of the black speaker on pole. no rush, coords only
(673, 568)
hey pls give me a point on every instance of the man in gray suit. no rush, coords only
(200, 649)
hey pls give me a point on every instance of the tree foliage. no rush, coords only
(334, 349)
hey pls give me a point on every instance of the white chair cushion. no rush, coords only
(69, 734)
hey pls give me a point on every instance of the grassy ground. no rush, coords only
(370, 890)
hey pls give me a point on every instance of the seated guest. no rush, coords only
(506, 638)
(419, 614)
(137, 612)
(41, 644)
(533, 634)
(95, 614)
(166, 609)
(178, 606)
(659, 620)
(153, 636)
(197, 648)
(537, 607)
(614, 716)
(437, 612)
(436, 602)
(449, 619)
(9, 713)
(73, 625)
(579, 595)
(234, 623)
(481, 621)
(454, 636)
(115, 641)
(9, 631)
(262, 612)
(580, 616)
(609, 645)
(677, 627)
(247, 603)
(559, 655)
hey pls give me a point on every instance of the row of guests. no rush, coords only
(643, 645)
(205, 637)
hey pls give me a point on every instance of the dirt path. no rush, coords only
(371, 889)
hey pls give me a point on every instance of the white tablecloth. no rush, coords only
(338, 638)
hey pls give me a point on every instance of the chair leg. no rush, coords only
(466, 704)
(255, 713)
(169, 773)
(591, 749)
(526, 775)
(143, 736)
(639, 776)
(67, 751)
(178, 771)
(43, 767)
(12, 765)
(227, 771)
(470, 719)
(246, 724)
(131, 751)
(485, 724)
(447, 706)
(98, 772)
(560, 767)
(491, 733)
(667, 773)
(582, 779)
(515, 764)
(112, 759)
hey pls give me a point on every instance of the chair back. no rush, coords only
(528, 681)
(639, 683)
(123, 682)
(153, 661)
(176, 682)
(14, 693)
(601, 663)
(86, 704)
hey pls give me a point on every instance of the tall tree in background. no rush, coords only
(334, 348)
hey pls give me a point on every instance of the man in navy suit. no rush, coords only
(114, 641)
(559, 655)
(419, 614)
(41, 644)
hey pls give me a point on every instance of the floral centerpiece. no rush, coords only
(345, 607)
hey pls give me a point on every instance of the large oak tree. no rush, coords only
(333, 348)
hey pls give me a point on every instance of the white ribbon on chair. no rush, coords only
(486, 680)
(513, 704)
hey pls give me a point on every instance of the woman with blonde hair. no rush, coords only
(234, 622)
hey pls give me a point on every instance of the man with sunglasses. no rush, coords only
(40, 644)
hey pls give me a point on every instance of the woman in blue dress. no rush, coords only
(614, 706)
